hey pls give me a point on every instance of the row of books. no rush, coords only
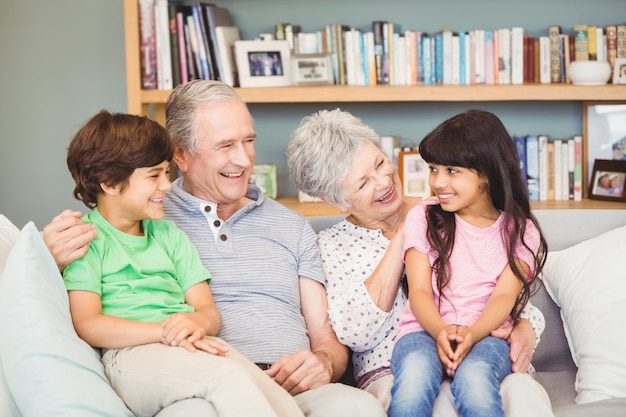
(552, 168)
(595, 43)
(388, 55)
(180, 42)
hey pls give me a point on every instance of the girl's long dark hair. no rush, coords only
(477, 139)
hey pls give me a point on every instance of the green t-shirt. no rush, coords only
(140, 278)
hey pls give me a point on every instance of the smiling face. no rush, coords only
(461, 190)
(372, 188)
(140, 198)
(220, 170)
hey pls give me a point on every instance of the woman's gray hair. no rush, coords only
(321, 151)
(185, 101)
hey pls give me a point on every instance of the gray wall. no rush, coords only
(63, 60)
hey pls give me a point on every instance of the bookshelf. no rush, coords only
(152, 102)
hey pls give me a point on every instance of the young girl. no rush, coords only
(470, 261)
(141, 292)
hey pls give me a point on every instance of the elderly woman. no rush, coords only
(334, 156)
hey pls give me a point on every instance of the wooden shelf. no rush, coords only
(440, 93)
(324, 209)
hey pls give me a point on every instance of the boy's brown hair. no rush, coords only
(109, 147)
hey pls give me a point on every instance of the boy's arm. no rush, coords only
(103, 331)
(188, 329)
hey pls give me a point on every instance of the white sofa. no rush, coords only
(571, 233)
(46, 370)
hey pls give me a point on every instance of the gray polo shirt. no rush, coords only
(256, 258)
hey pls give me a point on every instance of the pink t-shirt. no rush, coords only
(477, 260)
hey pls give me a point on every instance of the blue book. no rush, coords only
(438, 58)
(427, 60)
(520, 145)
(462, 59)
(532, 167)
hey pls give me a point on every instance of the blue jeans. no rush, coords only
(418, 373)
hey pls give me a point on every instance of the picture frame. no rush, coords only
(414, 174)
(311, 69)
(607, 180)
(263, 63)
(604, 134)
(619, 71)
(264, 176)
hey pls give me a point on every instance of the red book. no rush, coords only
(529, 59)
(147, 35)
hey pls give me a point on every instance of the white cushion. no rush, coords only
(588, 282)
(50, 371)
(8, 234)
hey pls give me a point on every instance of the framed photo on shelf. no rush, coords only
(312, 69)
(264, 176)
(414, 174)
(604, 134)
(619, 71)
(263, 63)
(607, 180)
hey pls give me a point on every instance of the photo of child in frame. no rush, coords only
(610, 184)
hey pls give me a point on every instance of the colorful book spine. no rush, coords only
(581, 43)
(504, 55)
(463, 61)
(558, 161)
(544, 60)
(377, 30)
(611, 44)
(555, 53)
(427, 59)
(520, 146)
(592, 38)
(578, 168)
(447, 57)
(543, 167)
(148, 56)
(565, 170)
(182, 48)
(621, 41)
(571, 166)
(438, 58)
(517, 55)
(532, 167)
(490, 58)
(550, 176)
(456, 60)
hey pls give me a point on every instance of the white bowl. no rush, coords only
(589, 72)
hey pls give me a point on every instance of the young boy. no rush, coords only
(141, 292)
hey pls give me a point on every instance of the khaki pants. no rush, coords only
(339, 400)
(153, 376)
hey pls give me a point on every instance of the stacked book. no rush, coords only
(181, 42)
